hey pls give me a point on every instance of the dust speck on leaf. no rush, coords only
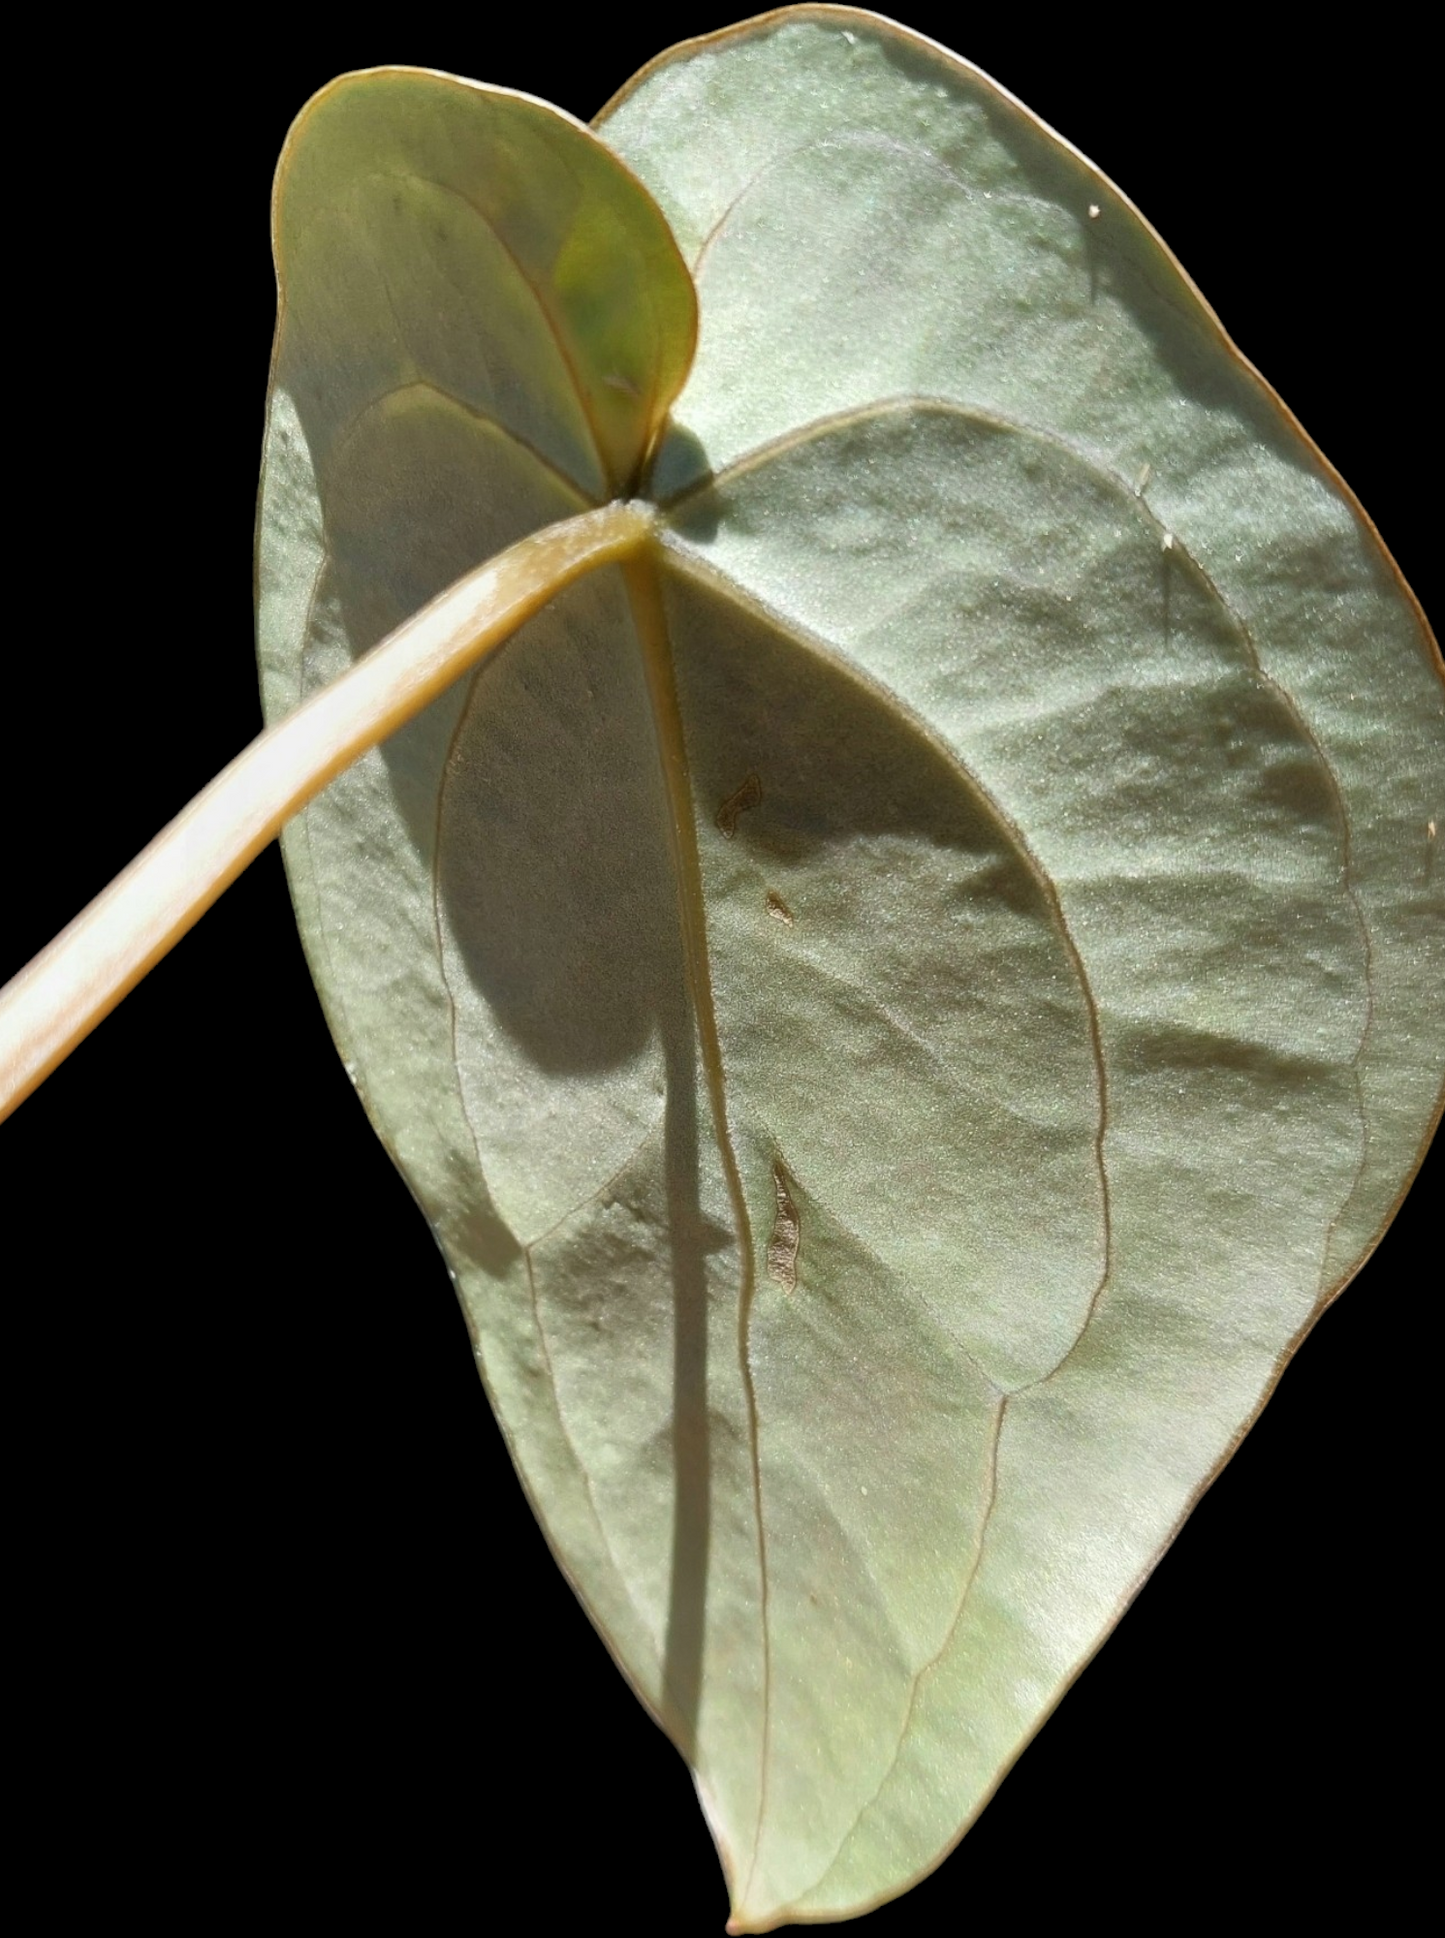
(787, 1233)
(737, 803)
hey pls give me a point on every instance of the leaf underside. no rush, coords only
(901, 1006)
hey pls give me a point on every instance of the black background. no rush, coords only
(290, 1639)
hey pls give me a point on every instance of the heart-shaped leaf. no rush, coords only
(903, 1004)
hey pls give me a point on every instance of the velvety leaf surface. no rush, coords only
(900, 1006)
(837, 171)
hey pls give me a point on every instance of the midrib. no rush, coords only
(644, 593)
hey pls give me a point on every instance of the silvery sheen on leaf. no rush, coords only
(902, 1005)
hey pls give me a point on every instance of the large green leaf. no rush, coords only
(901, 1008)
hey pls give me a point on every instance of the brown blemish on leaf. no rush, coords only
(738, 802)
(779, 909)
(783, 1245)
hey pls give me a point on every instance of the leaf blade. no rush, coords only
(1097, 1416)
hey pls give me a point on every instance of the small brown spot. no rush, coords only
(783, 1245)
(779, 909)
(738, 802)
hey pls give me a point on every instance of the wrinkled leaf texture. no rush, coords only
(867, 1295)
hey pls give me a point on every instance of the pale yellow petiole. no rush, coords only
(57, 999)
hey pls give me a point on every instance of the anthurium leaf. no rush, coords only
(901, 1005)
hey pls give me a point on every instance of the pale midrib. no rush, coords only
(644, 593)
